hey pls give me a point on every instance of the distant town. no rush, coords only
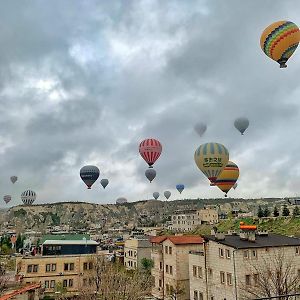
(186, 249)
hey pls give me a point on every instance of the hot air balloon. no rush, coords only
(235, 185)
(200, 128)
(150, 150)
(156, 195)
(241, 124)
(211, 159)
(167, 194)
(280, 40)
(104, 182)
(228, 177)
(180, 188)
(13, 179)
(121, 200)
(7, 198)
(89, 174)
(150, 174)
(28, 197)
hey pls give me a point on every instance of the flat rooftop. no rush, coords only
(70, 242)
(271, 240)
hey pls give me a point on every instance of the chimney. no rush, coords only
(220, 236)
(251, 236)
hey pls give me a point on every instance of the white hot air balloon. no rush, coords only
(241, 124)
(200, 128)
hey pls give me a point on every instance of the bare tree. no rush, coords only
(110, 281)
(275, 275)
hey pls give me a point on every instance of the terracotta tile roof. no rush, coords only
(157, 239)
(177, 240)
(185, 239)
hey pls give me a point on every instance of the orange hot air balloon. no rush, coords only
(280, 40)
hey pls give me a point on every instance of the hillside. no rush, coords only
(281, 225)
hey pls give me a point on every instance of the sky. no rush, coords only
(83, 82)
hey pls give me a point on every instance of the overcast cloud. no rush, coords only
(83, 82)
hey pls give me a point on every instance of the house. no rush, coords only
(171, 268)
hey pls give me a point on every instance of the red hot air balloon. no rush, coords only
(150, 150)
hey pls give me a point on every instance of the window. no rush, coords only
(195, 271)
(166, 249)
(66, 267)
(221, 252)
(84, 281)
(247, 280)
(246, 254)
(71, 266)
(29, 268)
(255, 279)
(70, 282)
(167, 269)
(65, 283)
(160, 283)
(222, 277)
(229, 279)
(53, 267)
(168, 289)
(254, 254)
(52, 284)
(200, 272)
(196, 295)
(47, 284)
(227, 253)
(171, 270)
(85, 266)
(297, 249)
(48, 267)
(170, 250)
(160, 265)
(200, 296)
(35, 268)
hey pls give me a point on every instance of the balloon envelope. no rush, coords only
(150, 150)
(167, 194)
(156, 195)
(104, 182)
(241, 124)
(13, 179)
(280, 40)
(200, 128)
(211, 159)
(7, 198)
(28, 197)
(121, 200)
(89, 174)
(228, 177)
(180, 188)
(235, 185)
(150, 174)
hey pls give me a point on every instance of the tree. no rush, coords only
(276, 212)
(296, 211)
(260, 212)
(275, 275)
(111, 281)
(285, 211)
(147, 264)
(19, 242)
(266, 212)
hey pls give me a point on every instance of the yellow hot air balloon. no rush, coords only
(228, 177)
(211, 159)
(280, 40)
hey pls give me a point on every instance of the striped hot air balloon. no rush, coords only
(280, 40)
(28, 197)
(211, 159)
(150, 150)
(227, 179)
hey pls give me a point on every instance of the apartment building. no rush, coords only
(135, 249)
(171, 268)
(187, 220)
(230, 266)
(63, 263)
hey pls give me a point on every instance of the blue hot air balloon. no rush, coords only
(180, 188)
